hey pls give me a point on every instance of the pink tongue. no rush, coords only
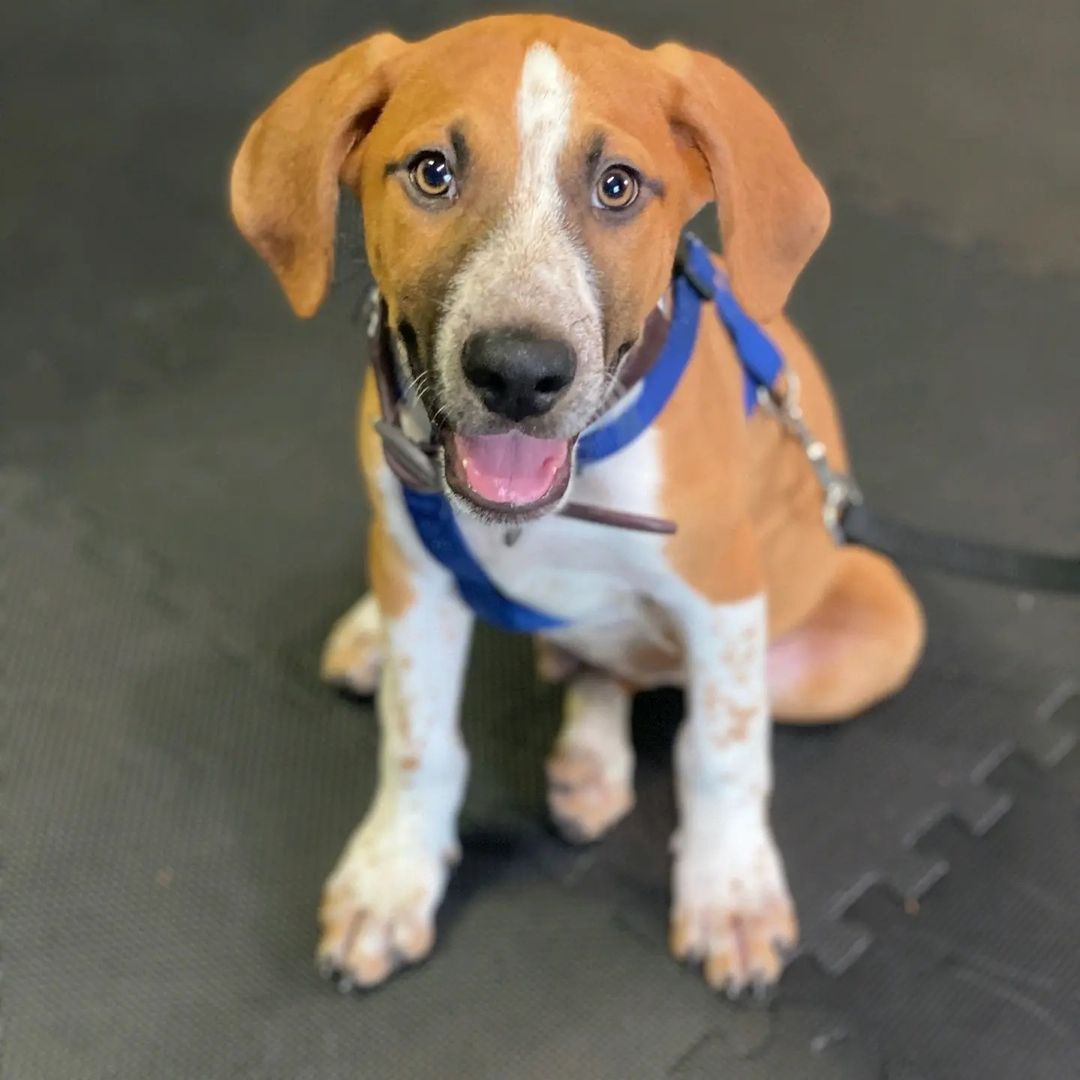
(511, 468)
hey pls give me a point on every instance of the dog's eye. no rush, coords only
(431, 175)
(617, 188)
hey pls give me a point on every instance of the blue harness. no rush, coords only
(696, 281)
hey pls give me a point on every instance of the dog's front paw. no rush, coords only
(378, 908)
(353, 654)
(732, 910)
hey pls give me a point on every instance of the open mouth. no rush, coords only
(512, 476)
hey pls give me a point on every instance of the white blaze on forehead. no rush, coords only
(531, 268)
(535, 230)
(544, 103)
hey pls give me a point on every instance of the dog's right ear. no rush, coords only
(773, 211)
(284, 186)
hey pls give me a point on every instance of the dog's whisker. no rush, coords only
(416, 384)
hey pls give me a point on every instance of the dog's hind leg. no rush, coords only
(353, 654)
(858, 646)
(591, 770)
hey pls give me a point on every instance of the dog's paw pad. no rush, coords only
(583, 800)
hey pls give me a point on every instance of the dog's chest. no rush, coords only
(583, 572)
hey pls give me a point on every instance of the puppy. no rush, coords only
(524, 182)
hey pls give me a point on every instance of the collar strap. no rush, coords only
(696, 281)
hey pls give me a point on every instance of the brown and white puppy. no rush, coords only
(524, 181)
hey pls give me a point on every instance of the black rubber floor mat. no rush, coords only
(980, 979)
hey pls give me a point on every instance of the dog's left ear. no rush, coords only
(284, 187)
(773, 211)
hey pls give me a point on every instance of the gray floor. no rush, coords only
(182, 521)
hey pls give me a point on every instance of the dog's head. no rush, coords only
(524, 181)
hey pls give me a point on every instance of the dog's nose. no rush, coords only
(517, 374)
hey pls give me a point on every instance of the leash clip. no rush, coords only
(839, 490)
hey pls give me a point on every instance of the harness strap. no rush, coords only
(658, 383)
(696, 280)
(440, 533)
(762, 362)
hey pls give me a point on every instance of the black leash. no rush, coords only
(965, 558)
(851, 521)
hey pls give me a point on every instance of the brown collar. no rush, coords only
(640, 359)
(413, 463)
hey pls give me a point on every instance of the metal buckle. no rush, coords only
(839, 490)
(407, 460)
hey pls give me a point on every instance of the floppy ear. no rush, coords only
(773, 212)
(284, 186)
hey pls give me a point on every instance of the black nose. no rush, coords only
(518, 374)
